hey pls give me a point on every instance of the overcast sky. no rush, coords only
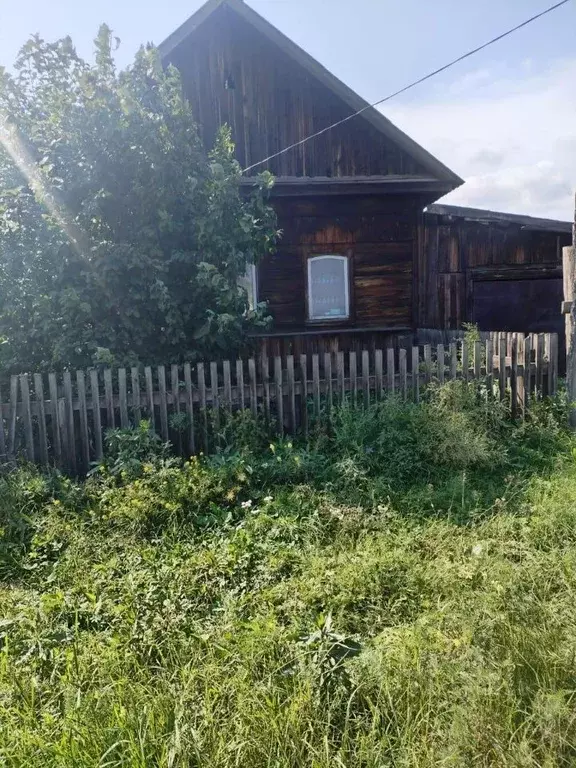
(504, 120)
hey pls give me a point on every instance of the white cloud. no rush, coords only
(513, 140)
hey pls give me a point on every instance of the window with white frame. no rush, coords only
(328, 289)
(249, 281)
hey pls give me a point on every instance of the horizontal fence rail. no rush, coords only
(61, 419)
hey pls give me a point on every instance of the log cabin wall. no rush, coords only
(378, 236)
(501, 274)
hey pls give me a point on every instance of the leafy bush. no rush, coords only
(129, 450)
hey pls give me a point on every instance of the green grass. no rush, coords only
(399, 592)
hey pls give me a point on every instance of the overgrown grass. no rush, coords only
(398, 592)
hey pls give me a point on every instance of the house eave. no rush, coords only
(297, 186)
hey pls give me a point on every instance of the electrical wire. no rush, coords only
(408, 87)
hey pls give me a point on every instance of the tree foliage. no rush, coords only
(120, 236)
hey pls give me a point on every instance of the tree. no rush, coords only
(120, 236)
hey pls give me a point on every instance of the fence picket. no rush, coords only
(201, 376)
(109, 398)
(427, 363)
(329, 384)
(215, 399)
(161, 375)
(291, 392)
(489, 368)
(527, 369)
(502, 366)
(540, 365)
(135, 387)
(41, 412)
(553, 365)
(55, 414)
(390, 373)
(175, 397)
(403, 368)
(520, 376)
(353, 376)
(150, 396)
(69, 411)
(514, 375)
(453, 360)
(83, 418)
(366, 377)
(95, 395)
(241, 395)
(440, 363)
(477, 360)
(190, 408)
(378, 370)
(123, 398)
(340, 377)
(416, 374)
(27, 415)
(63, 423)
(304, 392)
(465, 361)
(253, 386)
(3, 447)
(12, 416)
(227, 377)
(279, 392)
(316, 384)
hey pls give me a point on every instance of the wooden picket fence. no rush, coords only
(61, 419)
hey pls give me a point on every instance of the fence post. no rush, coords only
(569, 311)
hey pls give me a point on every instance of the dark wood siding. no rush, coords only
(376, 233)
(232, 74)
(455, 255)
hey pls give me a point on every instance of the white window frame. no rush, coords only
(251, 277)
(323, 318)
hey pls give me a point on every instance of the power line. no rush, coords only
(408, 87)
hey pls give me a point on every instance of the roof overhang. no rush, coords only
(480, 215)
(298, 186)
(434, 167)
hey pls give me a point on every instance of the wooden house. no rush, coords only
(359, 262)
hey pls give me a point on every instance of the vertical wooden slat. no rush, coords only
(527, 369)
(42, 436)
(489, 368)
(427, 362)
(95, 397)
(123, 398)
(416, 374)
(190, 408)
(390, 372)
(329, 381)
(253, 386)
(3, 445)
(109, 398)
(553, 366)
(379, 371)
(27, 416)
(353, 377)
(403, 367)
(215, 398)
(55, 414)
(240, 384)
(279, 393)
(502, 366)
(465, 361)
(540, 365)
(477, 360)
(366, 377)
(316, 384)
(69, 411)
(150, 396)
(201, 376)
(453, 360)
(520, 376)
(546, 366)
(440, 363)
(135, 385)
(175, 398)
(340, 377)
(227, 385)
(291, 392)
(161, 374)
(265, 368)
(514, 375)
(63, 423)
(83, 418)
(304, 392)
(12, 415)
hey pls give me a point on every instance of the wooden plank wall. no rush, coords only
(234, 75)
(62, 424)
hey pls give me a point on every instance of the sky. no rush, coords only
(504, 120)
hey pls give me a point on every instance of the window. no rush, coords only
(249, 282)
(328, 292)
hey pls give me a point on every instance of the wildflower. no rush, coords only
(246, 504)
(268, 499)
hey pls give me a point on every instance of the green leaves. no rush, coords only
(117, 229)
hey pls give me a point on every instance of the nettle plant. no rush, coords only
(121, 237)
